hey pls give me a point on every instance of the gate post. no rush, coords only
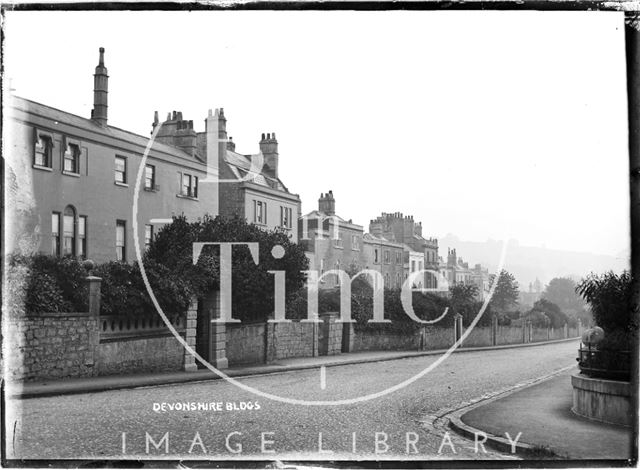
(189, 362)
(457, 327)
(494, 329)
(217, 331)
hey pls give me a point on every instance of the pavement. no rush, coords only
(542, 413)
(115, 382)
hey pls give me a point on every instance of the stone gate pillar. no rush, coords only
(189, 362)
(457, 327)
(494, 330)
(94, 284)
(217, 331)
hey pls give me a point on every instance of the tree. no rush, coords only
(555, 317)
(506, 293)
(462, 300)
(562, 292)
(252, 285)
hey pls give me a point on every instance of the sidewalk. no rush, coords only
(542, 413)
(113, 382)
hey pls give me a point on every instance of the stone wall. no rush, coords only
(294, 339)
(371, 340)
(51, 345)
(246, 343)
(153, 354)
(479, 336)
(437, 338)
(539, 334)
(509, 334)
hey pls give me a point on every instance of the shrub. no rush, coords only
(609, 296)
(123, 291)
(253, 285)
(44, 283)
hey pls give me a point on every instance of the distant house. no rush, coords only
(331, 242)
(396, 227)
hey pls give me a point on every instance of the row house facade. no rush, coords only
(331, 242)
(70, 181)
(397, 227)
(457, 271)
(334, 243)
(76, 178)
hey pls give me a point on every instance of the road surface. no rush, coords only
(237, 424)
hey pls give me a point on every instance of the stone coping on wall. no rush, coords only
(30, 316)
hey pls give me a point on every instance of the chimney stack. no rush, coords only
(269, 149)
(177, 131)
(100, 91)
(327, 204)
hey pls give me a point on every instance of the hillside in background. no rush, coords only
(528, 262)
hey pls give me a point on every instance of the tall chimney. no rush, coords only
(100, 91)
(269, 149)
(327, 203)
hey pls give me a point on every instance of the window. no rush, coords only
(386, 280)
(338, 241)
(188, 185)
(55, 233)
(149, 177)
(121, 170)
(398, 283)
(71, 159)
(82, 236)
(355, 243)
(68, 231)
(121, 253)
(387, 257)
(337, 275)
(43, 151)
(419, 265)
(285, 216)
(260, 212)
(397, 257)
(413, 265)
(148, 236)
(375, 255)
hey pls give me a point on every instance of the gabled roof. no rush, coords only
(240, 165)
(379, 239)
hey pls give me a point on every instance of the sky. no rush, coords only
(501, 125)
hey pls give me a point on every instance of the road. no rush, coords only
(115, 424)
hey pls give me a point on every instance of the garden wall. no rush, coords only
(437, 338)
(246, 343)
(51, 345)
(371, 340)
(479, 336)
(509, 335)
(539, 334)
(294, 339)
